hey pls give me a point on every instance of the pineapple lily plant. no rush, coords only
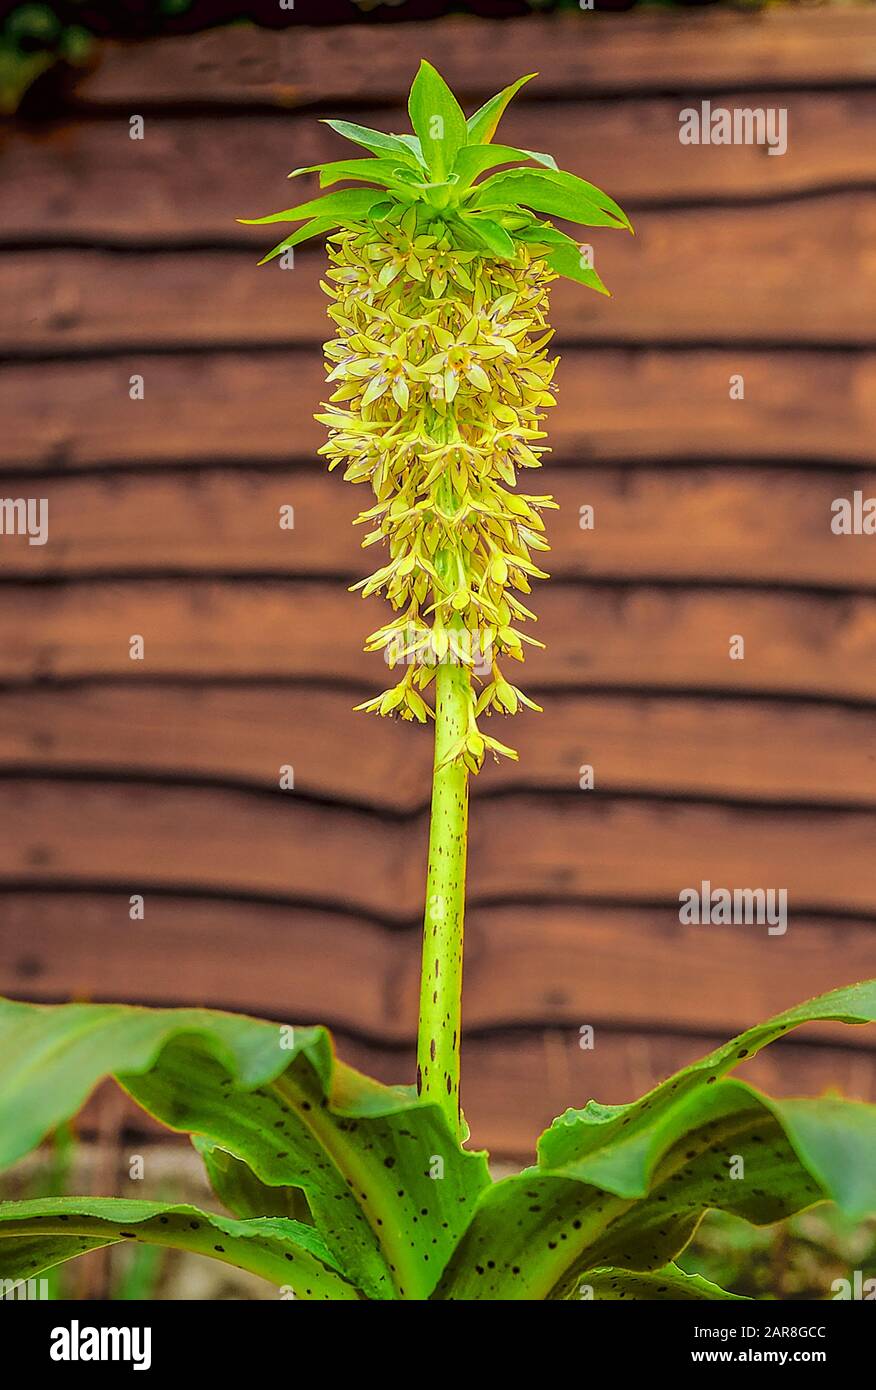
(338, 1187)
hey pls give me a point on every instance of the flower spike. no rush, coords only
(440, 375)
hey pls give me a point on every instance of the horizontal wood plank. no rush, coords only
(750, 751)
(631, 636)
(88, 182)
(670, 283)
(714, 523)
(555, 965)
(613, 405)
(513, 1087)
(535, 848)
(576, 54)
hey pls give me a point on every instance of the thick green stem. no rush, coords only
(441, 981)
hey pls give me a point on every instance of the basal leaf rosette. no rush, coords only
(441, 375)
(339, 1188)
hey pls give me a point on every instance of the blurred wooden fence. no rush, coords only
(123, 257)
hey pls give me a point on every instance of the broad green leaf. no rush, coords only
(39, 1234)
(347, 203)
(534, 1235)
(373, 1161)
(745, 1154)
(473, 160)
(378, 142)
(836, 1139)
(52, 1056)
(577, 1140)
(626, 1185)
(482, 125)
(528, 1231)
(269, 1132)
(437, 119)
(550, 191)
(238, 1188)
(661, 1285)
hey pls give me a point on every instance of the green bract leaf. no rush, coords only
(564, 255)
(541, 158)
(383, 171)
(576, 188)
(482, 125)
(349, 204)
(551, 191)
(473, 160)
(491, 234)
(317, 227)
(36, 1235)
(371, 1159)
(437, 118)
(378, 142)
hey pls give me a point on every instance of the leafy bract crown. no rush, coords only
(444, 166)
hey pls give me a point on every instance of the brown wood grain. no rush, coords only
(632, 636)
(613, 405)
(713, 523)
(189, 179)
(563, 848)
(718, 749)
(513, 1087)
(701, 274)
(553, 965)
(575, 53)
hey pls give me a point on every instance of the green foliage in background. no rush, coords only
(39, 36)
(34, 39)
(52, 1179)
(803, 1258)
